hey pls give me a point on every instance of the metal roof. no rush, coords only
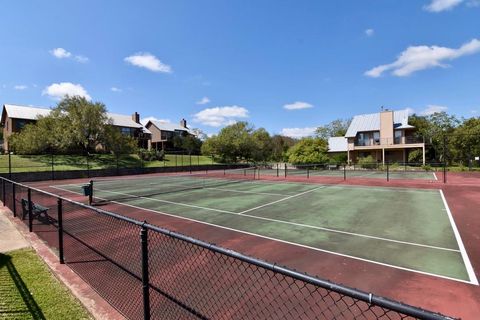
(32, 113)
(168, 126)
(337, 144)
(371, 122)
(24, 112)
(121, 120)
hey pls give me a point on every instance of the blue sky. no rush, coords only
(288, 66)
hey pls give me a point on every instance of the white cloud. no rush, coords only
(20, 87)
(58, 91)
(81, 59)
(298, 105)
(148, 61)
(144, 121)
(298, 132)
(60, 53)
(369, 32)
(219, 116)
(474, 111)
(204, 100)
(442, 5)
(115, 89)
(432, 108)
(410, 111)
(418, 58)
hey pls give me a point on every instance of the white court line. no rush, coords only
(285, 241)
(283, 199)
(251, 192)
(435, 176)
(463, 251)
(287, 222)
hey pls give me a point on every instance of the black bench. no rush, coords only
(37, 210)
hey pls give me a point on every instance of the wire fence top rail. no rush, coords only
(282, 275)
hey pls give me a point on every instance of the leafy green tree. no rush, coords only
(465, 141)
(118, 143)
(87, 121)
(280, 146)
(415, 156)
(309, 151)
(262, 148)
(336, 128)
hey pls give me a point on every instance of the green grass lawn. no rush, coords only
(34, 163)
(29, 291)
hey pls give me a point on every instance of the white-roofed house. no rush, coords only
(163, 133)
(15, 117)
(386, 136)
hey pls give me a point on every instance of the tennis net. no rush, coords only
(125, 188)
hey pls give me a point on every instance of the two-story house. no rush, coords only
(163, 133)
(386, 136)
(15, 117)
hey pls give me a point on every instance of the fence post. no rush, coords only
(9, 165)
(30, 210)
(60, 230)
(344, 171)
(308, 172)
(277, 169)
(176, 164)
(53, 166)
(14, 205)
(190, 163)
(90, 194)
(145, 274)
(444, 172)
(388, 172)
(3, 192)
(118, 169)
(285, 170)
(183, 164)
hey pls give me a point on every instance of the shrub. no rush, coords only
(367, 162)
(151, 155)
(427, 167)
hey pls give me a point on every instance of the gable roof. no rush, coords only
(122, 120)
(337, 144)
(32, 113)
(167, 126)
(24, 112)
(371, 122)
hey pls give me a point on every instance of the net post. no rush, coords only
(9, 165)
(145, 272)
(90, 194)
(388, 172)
(14, 205)
(344, 171)
(285, 170)
(60, 230)
(30, 210)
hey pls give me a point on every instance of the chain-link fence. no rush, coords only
(147, 272)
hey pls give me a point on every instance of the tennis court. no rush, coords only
(409, 229)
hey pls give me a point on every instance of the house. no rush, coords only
(15, 117)
(163, 133)
(386, 136)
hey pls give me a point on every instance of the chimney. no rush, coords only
(183, 123)
(136, 117)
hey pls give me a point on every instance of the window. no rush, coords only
(398, 137)
(126, 131)
(19, 124)
(376, 137)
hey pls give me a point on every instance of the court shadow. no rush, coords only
(22, 290)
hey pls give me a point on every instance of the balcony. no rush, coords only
(388, 141)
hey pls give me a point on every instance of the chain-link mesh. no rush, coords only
(185, 278)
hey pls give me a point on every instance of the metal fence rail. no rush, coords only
(147, 272)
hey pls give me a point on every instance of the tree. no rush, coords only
(465, 141)
(191, 144)
(87, 121)
(336, 128)
(262, 145)
(118, 143)
(309, 151)
(280, 146)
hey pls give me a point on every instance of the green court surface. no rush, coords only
(358, 173)
(410, 229)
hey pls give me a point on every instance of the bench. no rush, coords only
(37, 210)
